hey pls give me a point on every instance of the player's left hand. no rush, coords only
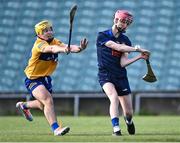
(67, 50)
(145, 55)
(83, 44)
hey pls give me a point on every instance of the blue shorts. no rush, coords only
(121, 83)
(31, 84)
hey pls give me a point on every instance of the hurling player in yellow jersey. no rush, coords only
(41, 65)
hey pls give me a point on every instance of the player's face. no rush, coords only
(122, 24)
(47, 33)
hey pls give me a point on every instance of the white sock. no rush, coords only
(129, 123)
(116, 128)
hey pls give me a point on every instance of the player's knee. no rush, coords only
(41, 106)
(114, 100)
(49, 101)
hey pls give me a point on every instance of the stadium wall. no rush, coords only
(93, 103)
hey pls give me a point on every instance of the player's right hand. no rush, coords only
(139, 49)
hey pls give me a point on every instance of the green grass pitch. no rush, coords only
(90, 129)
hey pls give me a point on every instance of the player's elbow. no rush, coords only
(123, 65)
(49, 49)
(53, 50)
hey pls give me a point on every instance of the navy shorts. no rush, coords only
(121, 83)
(31, 84)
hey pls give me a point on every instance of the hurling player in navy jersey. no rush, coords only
(113, 47)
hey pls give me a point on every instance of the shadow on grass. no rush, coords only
(98, 134)
(89, 134)
(157, 134)
(68, 134)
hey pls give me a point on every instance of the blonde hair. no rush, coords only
(39, 27)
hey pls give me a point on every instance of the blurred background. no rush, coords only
(156, 27)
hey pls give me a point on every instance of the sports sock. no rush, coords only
(25, 105)
(115, 124)
(54, 126)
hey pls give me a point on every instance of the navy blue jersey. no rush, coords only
(109, 59)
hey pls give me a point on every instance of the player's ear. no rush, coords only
(116, 20)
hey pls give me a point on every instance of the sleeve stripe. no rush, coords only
(41, 44)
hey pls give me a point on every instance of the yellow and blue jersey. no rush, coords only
(42, 64)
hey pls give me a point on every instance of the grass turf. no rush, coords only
(90, 129)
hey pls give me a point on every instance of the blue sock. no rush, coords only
(54, 126)
(115, 121)
(25, 105)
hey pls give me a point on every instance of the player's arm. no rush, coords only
(125, 61)
(54, 49)
(63, 48)
(125, 48)
(81, 47)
